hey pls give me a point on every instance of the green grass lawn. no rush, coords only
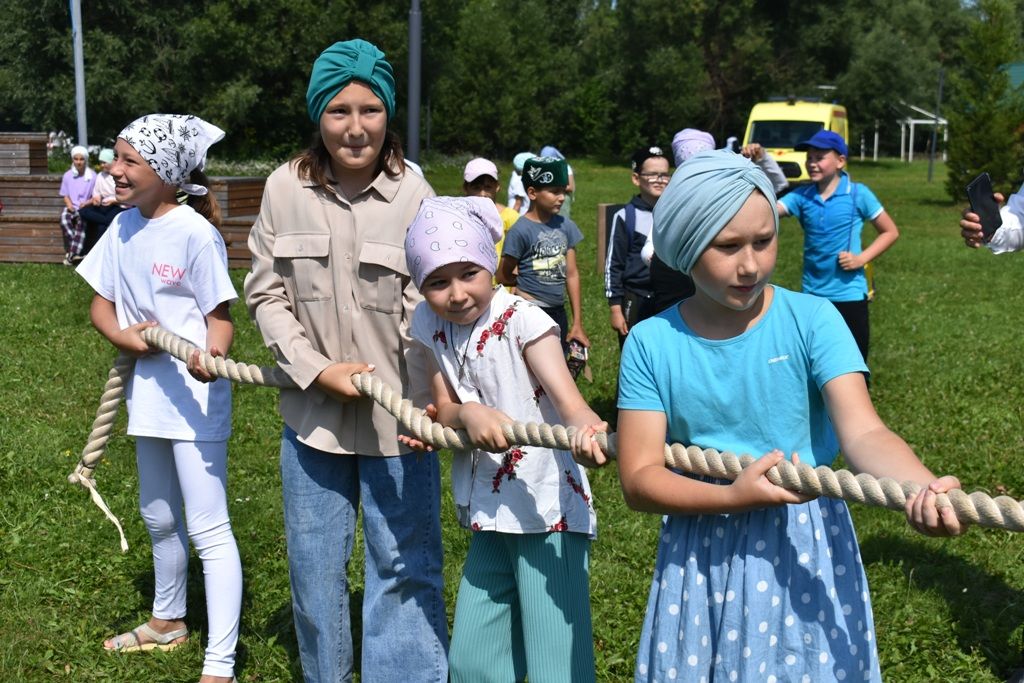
(946, 360)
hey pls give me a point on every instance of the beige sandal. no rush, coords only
(130, 641)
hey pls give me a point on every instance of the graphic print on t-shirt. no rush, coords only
(549, 259)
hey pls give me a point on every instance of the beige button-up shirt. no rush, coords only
(329, 284)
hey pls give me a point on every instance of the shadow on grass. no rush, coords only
(943, 203)
(281, 627)
(604, 406)
(987, 614)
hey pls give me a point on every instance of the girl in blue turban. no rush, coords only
(331, 294)
(751, 582)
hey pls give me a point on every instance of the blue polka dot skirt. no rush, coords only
(777, 594)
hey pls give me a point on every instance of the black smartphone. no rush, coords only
(979, 192)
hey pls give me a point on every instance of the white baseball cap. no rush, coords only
(478, 167)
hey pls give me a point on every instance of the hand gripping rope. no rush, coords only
(1001, 512)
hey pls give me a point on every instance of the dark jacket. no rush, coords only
(623, 267)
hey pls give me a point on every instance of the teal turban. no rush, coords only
(703, 195)
(342, 63)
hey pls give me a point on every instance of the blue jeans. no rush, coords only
(405, 630)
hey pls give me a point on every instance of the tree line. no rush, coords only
(594, 77)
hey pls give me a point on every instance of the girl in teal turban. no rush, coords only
(751, 581)
(351, 99)
(331, 294)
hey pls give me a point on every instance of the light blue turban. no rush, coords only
(520, 159)
(342, 63)
(703, 195)
(551, 151)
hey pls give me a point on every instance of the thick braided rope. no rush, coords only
(978, 507)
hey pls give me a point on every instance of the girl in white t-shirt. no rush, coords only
(496, 357)
(165, 263)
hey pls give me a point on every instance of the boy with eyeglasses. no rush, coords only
(627, 278)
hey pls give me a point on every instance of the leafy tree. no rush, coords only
(897, 52)
(503, 87)
(597, 77)
(984, 114)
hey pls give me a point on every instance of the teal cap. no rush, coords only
(545, 172)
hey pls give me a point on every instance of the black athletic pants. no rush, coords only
(855, 313)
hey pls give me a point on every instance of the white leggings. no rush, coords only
(194, 474)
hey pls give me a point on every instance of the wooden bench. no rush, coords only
(30, 222)
(23, 153)
(235, 231)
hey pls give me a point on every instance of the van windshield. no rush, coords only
(785, 134)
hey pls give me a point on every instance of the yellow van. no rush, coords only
(779, 126)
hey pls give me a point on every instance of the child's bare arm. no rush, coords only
(572, 286)
(870, 446)
(103, 315)
(888, 233)
(445, 399)
(220, 333)
(506, 274)
(649, 486)
(544, 358)
(482, 423)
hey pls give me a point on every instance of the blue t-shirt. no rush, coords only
(832, 226)
(750, 394)
(540, 249)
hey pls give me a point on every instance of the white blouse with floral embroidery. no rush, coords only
(524, 490)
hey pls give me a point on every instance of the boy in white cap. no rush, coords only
(480, 179)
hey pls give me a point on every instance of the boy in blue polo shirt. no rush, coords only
(832, 210)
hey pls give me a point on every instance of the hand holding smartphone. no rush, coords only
(980, 192)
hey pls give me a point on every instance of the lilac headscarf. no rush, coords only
(689, 142)
(450, 230)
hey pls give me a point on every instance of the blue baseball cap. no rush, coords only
(824, 139)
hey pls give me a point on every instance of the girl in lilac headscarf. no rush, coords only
(496, 358)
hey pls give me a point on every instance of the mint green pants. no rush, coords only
(524, 608)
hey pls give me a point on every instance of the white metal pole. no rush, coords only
(76, 35)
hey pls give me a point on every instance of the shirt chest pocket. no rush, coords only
(382, 277)
(303, 261)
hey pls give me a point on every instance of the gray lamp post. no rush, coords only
(76, 35)
(415, 39)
